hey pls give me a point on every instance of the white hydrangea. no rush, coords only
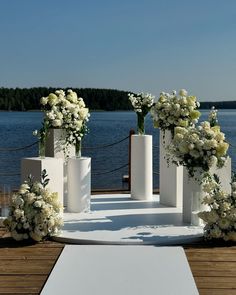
(196, 147)
(173, 110)
(220, 220)
(66, 111)
(34, 213)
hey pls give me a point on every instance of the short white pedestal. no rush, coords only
(192, 197)
(192, 191)
(79, 184)
(224, 175)
(141, 167)
(54, 148)
(55, 143)
(171, 176)
(54, 168)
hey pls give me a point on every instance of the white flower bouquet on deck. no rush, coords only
(173, 110)
(35, 212)
(220, 220)
(66, 111)
(198, 147)
(142, 103)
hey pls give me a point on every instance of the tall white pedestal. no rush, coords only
(224, 175)
(54, 168)
(193, 192)
(141, 167)
(79, 184)
(54, 148)
(171, 176)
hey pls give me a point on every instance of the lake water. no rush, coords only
(105, 128)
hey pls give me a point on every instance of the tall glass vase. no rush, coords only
(42, 148)
(78, 144)
(141, 128)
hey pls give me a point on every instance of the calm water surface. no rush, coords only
(105, 128)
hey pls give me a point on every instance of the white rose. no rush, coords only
(183, 92)
(56, 123)
(44, 100)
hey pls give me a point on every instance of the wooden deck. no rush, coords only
(24, 267)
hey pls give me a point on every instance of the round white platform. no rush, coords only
(117, 219)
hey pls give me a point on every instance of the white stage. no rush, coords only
(118, 219)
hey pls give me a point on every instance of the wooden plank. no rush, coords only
(27, 253)
(15, 291)
(211, 257)
(217, 292)
(22, 280)
(217, 266)
(216, 282)
(27, 266)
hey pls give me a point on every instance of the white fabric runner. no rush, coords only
(121, 270)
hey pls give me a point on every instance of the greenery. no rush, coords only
(24, 99)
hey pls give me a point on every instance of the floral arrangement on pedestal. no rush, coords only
(199, 147)
(142, 103)
(173, 110)
(67, 111)
(220, 220)
(35, 212)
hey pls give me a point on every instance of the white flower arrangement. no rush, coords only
(220, 220)
(34, 212)
(198, 147)
(173, 110)
(142, 103)
(66, 111)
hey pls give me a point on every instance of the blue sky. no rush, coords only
(134, 45)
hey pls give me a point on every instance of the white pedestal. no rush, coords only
(192, 196)
(141, 167)
(171, 177)
(79, 184)
(54, 148)
(54, 168)
(192, 192)
(224, 175)
(55, 143)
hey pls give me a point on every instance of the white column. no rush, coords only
(54, 148)
(141, 167)
(54, 168)
(192, 197)
(171, 176)
(193, 192)
(79, 184)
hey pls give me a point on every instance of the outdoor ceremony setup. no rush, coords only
(127, 231)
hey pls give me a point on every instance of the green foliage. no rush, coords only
(24, 99)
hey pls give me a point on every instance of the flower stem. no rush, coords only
(141, 129)
(78, 149)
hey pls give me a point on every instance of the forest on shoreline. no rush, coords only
(26, 99)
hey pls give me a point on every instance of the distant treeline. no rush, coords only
(24, 99)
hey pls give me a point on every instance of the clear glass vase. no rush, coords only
(141, 129)
(42, 148)
(78, 149)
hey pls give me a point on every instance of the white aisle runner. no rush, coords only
(121, 270)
